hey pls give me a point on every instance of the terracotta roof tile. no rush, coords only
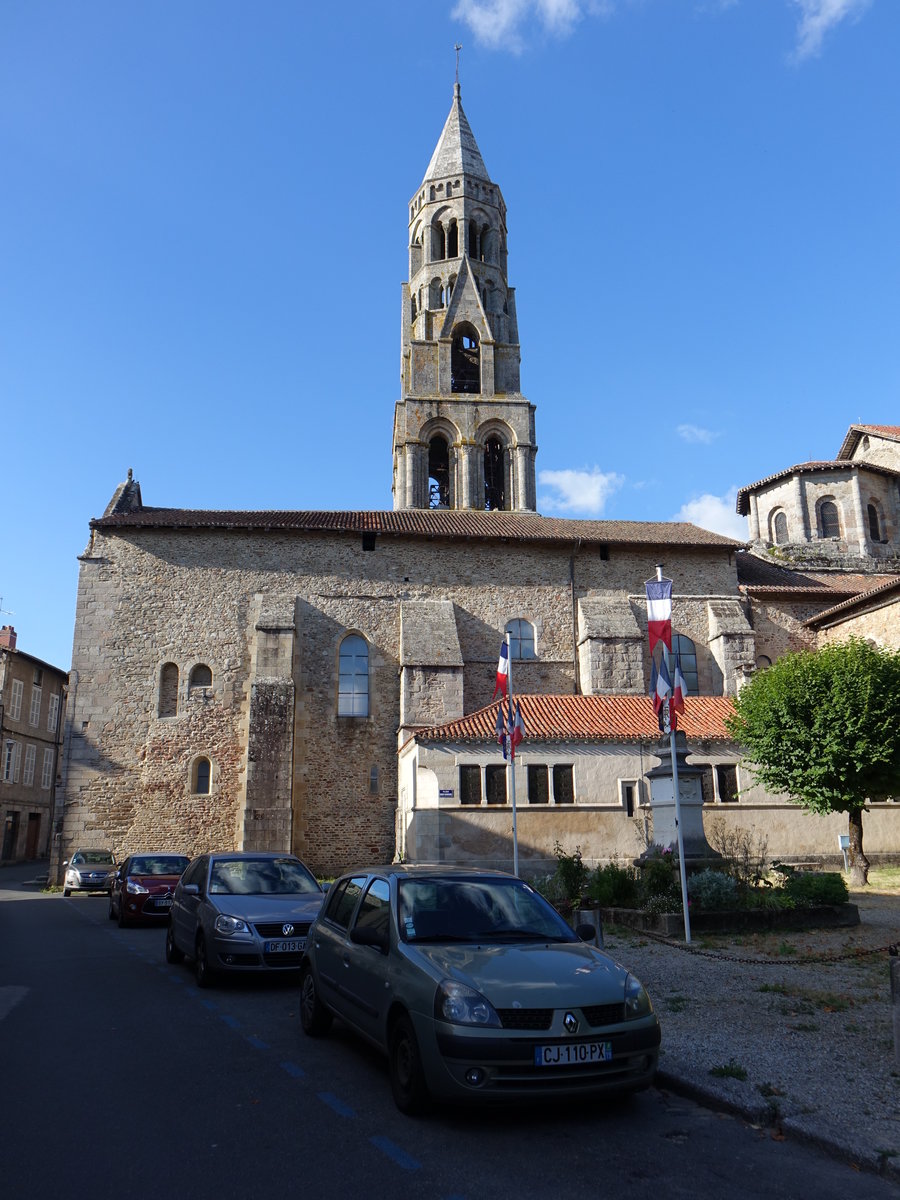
(856, 432)
(742, 503)
(588, 719)
(858, 601)
(429, 523)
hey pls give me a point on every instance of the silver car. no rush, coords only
(475, 988)
(242, 911)
(88, 871)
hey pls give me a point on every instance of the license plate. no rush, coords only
(571, 1054)
(295, 946)
(163, 903)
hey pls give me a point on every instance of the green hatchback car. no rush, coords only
(475, 988)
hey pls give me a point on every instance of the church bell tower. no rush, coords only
(463, 432)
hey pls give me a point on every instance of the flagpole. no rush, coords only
(681, 867)
(511, 761)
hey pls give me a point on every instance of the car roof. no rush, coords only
(251, 854)
(428, 870)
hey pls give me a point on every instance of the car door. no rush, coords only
(331, 942)
(118, 885)
(366, 962)
(186, 905)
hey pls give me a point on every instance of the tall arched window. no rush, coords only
(780, 529)
(829, 520)
(687, 653)
(453, 240)
(494, 475)
(521, 638)
(438, 473)
(874, 523)
(465, 361)
(353, 677)
(202, 776)
(168, 690)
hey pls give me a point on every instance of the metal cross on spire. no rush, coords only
(457, 46)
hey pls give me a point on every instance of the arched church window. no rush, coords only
(779, 529)
(829, 520)
(432, 193)
(521, 638)
(200, 677)
(201, 777)
(168, 690)
(438, 473)
(434, 294)
(494, 475)
(687, 654)
(453, 241)
(353, 677)
(413, 308)
(465, 361)
(874, 523)
(438, 241)
(487, 244)
(473, 240)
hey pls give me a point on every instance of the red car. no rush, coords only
(142, 888)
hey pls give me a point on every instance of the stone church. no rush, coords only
(321, 682)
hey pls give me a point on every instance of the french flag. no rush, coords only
(659, 612)
(660, 684)
(518, 732)
(501, 729)
(679, 687)
(502, 684)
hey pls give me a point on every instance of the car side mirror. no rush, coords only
(190, 889)
(370, 936)
(65, 862)
(587, 933)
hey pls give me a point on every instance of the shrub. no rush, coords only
(807, 888)
(571, 872)
(613, 886)
(657, 876)
(662, 902)
(711, 889)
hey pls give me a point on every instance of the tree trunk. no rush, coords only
(859, 864)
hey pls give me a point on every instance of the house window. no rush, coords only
(563, 784)
(628, 795)
(829, 520)
(47, 770)
(202, 774)
(373, 781)
(9, 761)
(495, 784)
(521, 638)
(726, 777)
(168, 690)
(538, 785)
(353, 677)
(707, 786)
(780, 529)
(15, 700)
(200, 677)
(687, 652)
(469, 785)
(28, 774)
(34, 716)
(53, 713)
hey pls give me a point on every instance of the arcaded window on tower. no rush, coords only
(829, 520)
(453, 241)
(438, 473)
(779, 529)
(494, 475)
(465, 361)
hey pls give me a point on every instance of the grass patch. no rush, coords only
(780, 989)
(786, 949)
(677, 1004)
(806, 1027)
(729, 1070)
(883, 879)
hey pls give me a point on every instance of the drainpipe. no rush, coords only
(575, 679)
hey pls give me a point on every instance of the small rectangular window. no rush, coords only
(28, 774)
(628, 797)
(538, 785)
(34, 716)
(469, 784)
(9, 761)
(706, 783)
(563, 785)
(53, 713)
(15, 700)
(47, 770)
(726, 777)
(495, 784)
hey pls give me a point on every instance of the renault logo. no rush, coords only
(287, 930)
(571, 1023)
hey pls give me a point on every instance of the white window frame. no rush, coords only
(9, 760)
(15, 700)
(28, 773)
(47, 770)
(34, 713)
(53, 713)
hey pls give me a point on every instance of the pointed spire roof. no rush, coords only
(457, 151)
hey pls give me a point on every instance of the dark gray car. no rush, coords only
(242, 911)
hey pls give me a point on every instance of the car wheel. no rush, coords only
(173, 954)
(123, 920)
(110, 911)
(67, 891)
(407, 1077)
(314, 1016)
(205, 974)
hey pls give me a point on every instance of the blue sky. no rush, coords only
(203, 233)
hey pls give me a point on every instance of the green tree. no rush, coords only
(823, 727)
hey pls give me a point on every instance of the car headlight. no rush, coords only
(637, 1002)
(462, 1005)
(72, 877)
(230, 925)
(136, 889)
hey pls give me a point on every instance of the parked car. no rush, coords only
(242, 911)
(88, 871)
(475, 989)
(142, 887)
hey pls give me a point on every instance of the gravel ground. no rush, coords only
(806, 1048)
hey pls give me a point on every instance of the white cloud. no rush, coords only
(818, 17)
(578, 491)
(694, 433)
(716, 513)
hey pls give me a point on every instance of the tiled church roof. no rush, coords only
(589, 719)
(855, 603)
(742, 503)
(856, 432)
(759, 576)
(428, 523)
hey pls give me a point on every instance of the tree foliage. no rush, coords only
(823, 726)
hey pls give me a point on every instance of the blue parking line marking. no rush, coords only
(338, 1106)
(231, 1022)
(210, 1004)
(293, 1070)
(257, 1043)
(396, 1154)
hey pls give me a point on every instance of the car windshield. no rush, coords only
(92, 858)
(158, 864)
(477, 910)
(260, 877)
